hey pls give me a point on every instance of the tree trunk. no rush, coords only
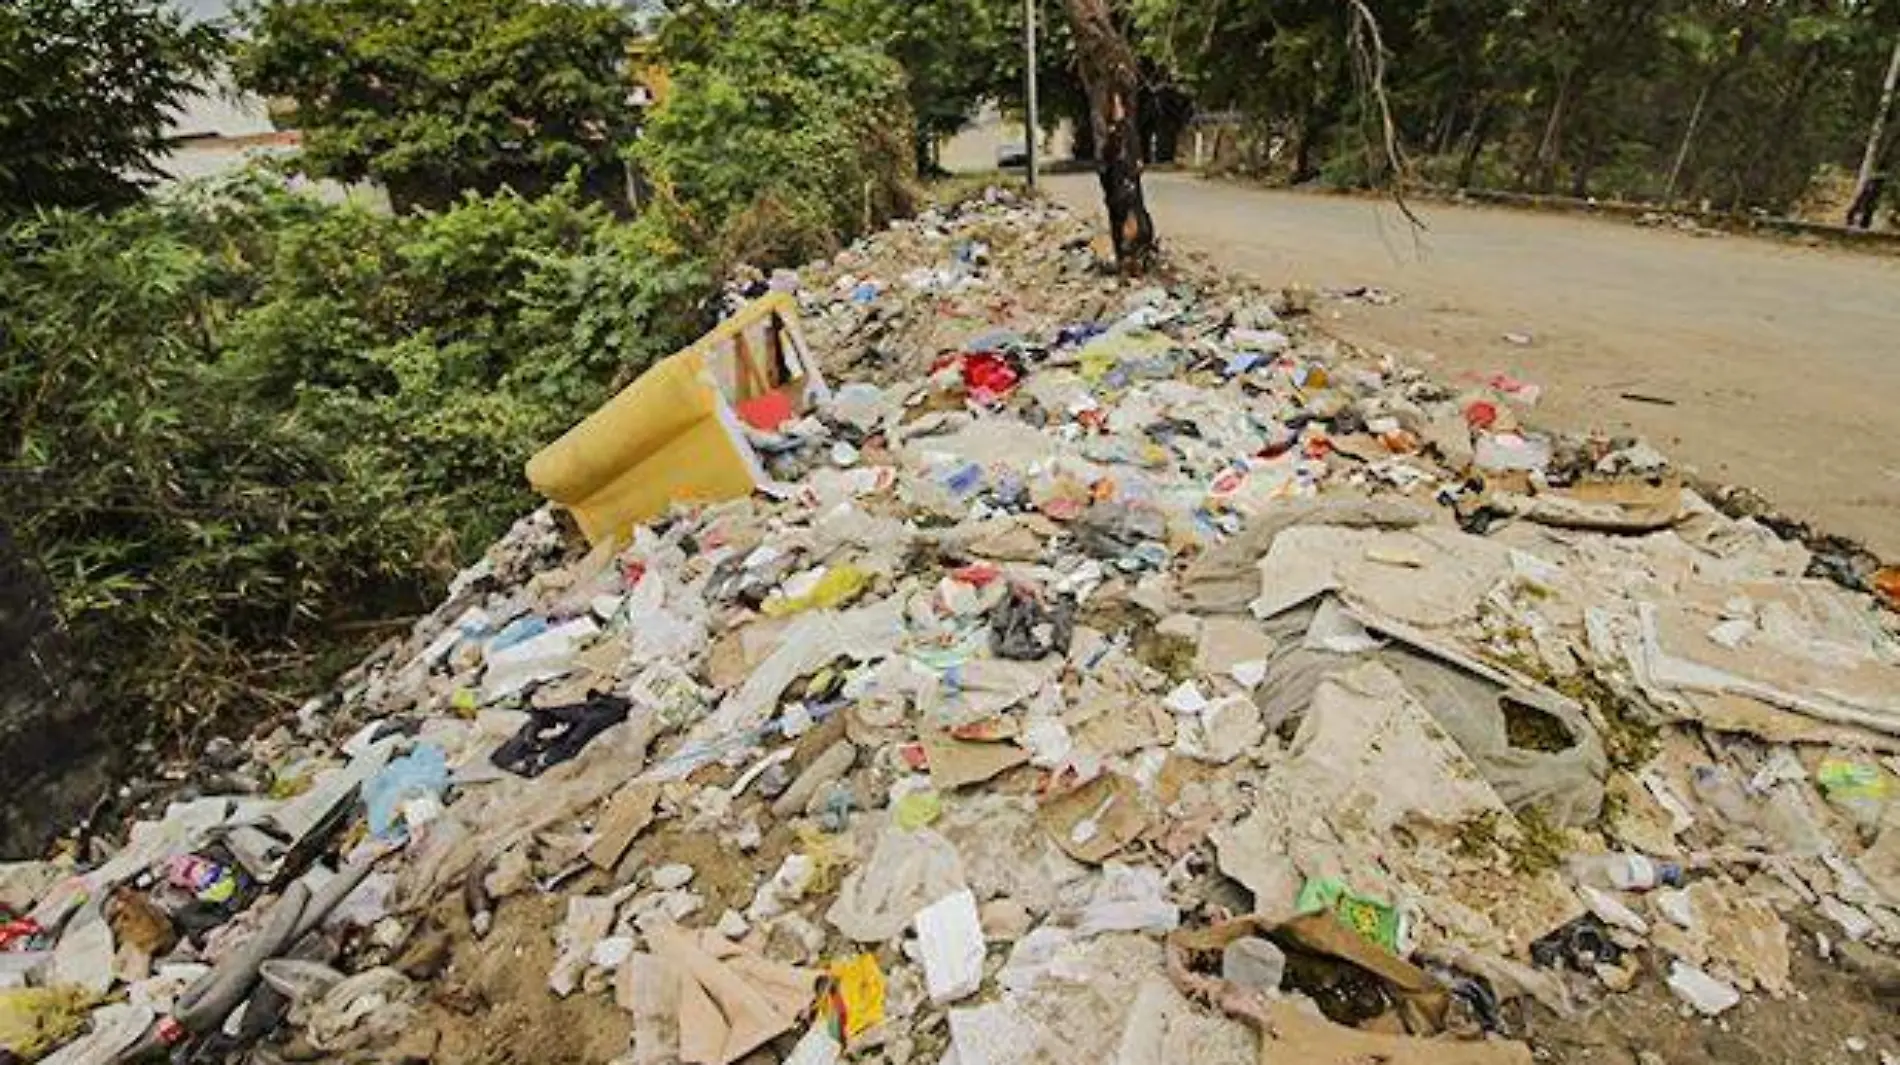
(1474, 147)
(1544, 163)
(1305, 139)
(1688, 139)
(1870, 161)
(922, 147)
(1445, 128)
(1082, 143)
(1110, 74)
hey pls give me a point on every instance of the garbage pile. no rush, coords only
(1109, 673)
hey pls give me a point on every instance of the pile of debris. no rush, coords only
(1107, 673)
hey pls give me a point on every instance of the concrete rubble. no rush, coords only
(1082, 619)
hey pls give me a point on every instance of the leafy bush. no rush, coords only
(86, 89)
(784, 137)
(431, 97)
(237, 417)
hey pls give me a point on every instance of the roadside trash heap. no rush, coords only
(1105, 673)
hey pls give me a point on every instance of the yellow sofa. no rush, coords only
(676, 435)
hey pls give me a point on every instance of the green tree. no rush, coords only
(955, 54)
(87, 89)
(786, 133)
(1738, 103)
(433, 97)
(1286, 65)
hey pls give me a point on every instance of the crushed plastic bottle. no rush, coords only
(1625, 872)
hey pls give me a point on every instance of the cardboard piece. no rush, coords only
(649, 988)
(1288, 1034)
(1093, 822)
(1447, 575)
(1599, 506)
(1810, 651)
(625, 816)
(730, 1001)
(956, 763)
(1368, 759)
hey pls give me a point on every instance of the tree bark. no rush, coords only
(1870, 161)
(1113, 79)
(1304, 169)
(1688, 139)
(1082, 146)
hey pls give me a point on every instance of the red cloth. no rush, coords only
(767, 412)
(989, 377)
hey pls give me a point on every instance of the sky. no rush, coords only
(203, 8)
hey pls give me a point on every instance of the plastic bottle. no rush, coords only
(1625, 872)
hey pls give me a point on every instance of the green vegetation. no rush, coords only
(239, 417)
(1630, 738)
(86, 87)
(1738, 102)
(784, 135)
(433, 97)
(1542, 845)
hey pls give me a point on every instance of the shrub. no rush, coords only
(237, 417)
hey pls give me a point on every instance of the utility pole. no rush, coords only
(1029, 87)
(1871, 160)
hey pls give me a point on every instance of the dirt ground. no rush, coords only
(1777, 366)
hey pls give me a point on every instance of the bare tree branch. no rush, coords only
(1367, 46)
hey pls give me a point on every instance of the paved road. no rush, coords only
(1783, 362)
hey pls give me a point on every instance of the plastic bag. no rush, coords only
(907, 871)
(1130, 898)
(833, 588)
(404, 789)
(1375, 921)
